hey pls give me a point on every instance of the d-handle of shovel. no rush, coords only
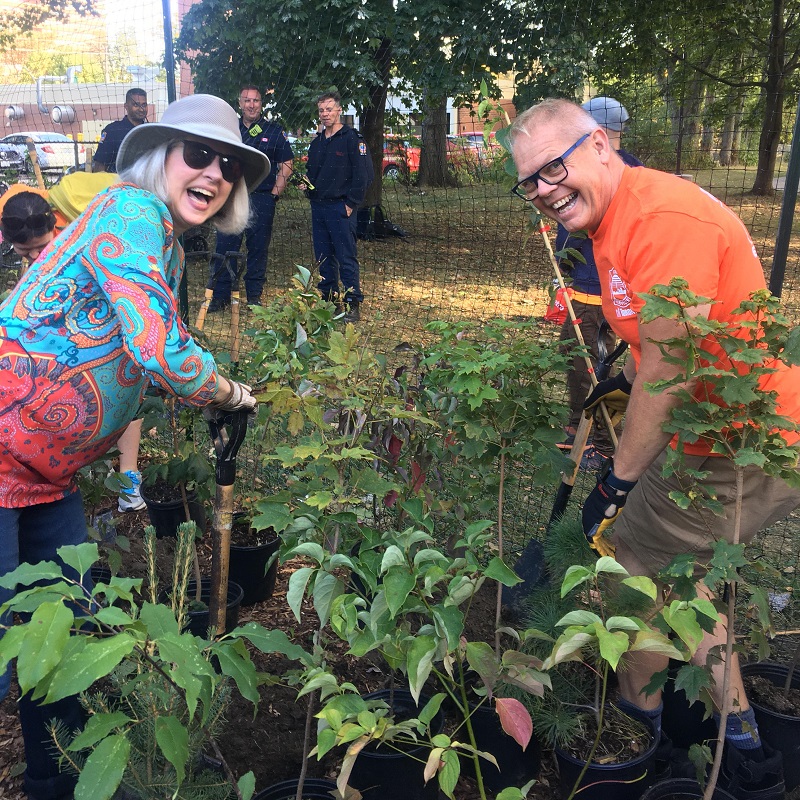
(227, 430)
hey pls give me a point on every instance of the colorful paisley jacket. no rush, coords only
(88, 328)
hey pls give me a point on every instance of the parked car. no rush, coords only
(55, 151)
(11, 160)
(400, 158)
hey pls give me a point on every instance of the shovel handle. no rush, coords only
(227, 430)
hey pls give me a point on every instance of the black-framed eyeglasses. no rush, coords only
(552, 173)
(198, 156)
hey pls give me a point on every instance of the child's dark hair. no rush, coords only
(26, 216)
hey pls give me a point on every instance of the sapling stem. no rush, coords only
(729, 638)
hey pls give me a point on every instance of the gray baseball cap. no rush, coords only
(201, 115)
(608, 112)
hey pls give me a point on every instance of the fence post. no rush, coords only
(792, 180)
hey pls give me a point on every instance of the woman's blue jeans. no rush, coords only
(30, 535)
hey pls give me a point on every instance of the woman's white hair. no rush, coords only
(149, 174)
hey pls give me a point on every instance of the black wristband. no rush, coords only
(612, 481)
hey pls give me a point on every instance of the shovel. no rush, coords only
(530, 566)
(227, 429)
(229, 262)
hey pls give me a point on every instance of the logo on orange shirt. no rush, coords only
(620, 296)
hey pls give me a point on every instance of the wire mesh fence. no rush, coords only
(710, 93)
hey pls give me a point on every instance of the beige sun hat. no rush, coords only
(202, 115)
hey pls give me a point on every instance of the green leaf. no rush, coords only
(102, 773)
(611, 565)
(613, 645)
(247, 785)
(272, 642)
(642, 584)
(159, 620)
(498, 570)
(80, 557)
(97, 728)
(298, 581)
(481, 658)
(27, 574)
(579, 617)
(234, 661)
(449, 773)
(397, 583)
(42, 649)
(574, 576)
(327, 588)
(93, 662)
(420, 662)
(173, 739)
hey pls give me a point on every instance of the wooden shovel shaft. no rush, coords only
(220, 557)
(543, 229)
(201, 315)
(34, 156)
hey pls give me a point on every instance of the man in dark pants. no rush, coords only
(105, 159)
(338, 170)
(586, 300)
(269, 138)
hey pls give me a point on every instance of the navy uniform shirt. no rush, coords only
(337, 167)
(270, 139)
(110, 141)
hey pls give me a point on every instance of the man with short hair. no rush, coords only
(105, 159)
(338, 170)
(270, 138)
(646, 228)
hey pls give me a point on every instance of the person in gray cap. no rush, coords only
(92, 324)
(612, 116)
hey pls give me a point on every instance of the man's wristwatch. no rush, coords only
(275, 197)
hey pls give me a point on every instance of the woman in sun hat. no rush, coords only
(89, 327)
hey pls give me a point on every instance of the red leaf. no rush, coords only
(418, 475)
(395, 446)
(391, 498)
(515, 719)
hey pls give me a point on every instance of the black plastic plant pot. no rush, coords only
(682, 789)
(313, 789)
(166, 515)
(199, 621)
(515, 766)
(383, 773)
(248, 568)
(625, 781)
(781, 731)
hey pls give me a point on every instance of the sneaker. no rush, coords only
(593, 460)
(254, 301)
(753, 778)
(217, 304)
(130, 499)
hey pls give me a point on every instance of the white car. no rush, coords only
(55, 151)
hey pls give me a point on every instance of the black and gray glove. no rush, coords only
(615, 393)
(603, 505)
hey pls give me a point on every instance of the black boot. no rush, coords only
(352, 311)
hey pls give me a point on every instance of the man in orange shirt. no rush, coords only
(646, 228)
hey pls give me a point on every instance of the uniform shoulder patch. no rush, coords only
(102, 137)
(362, 148)
(285, 136)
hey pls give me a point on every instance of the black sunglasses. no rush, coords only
(198, 156)
(34, 222)
(552, 173)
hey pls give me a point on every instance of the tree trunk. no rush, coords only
(775, 90)
(373, 125)
(731, 127)
(433, 169)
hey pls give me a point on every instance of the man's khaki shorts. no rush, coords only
(657, 530)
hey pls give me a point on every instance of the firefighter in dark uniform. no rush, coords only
(105, 159)
(269, 138)
(338, 170)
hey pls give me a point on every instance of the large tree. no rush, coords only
(437, 48)
(691, 51)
